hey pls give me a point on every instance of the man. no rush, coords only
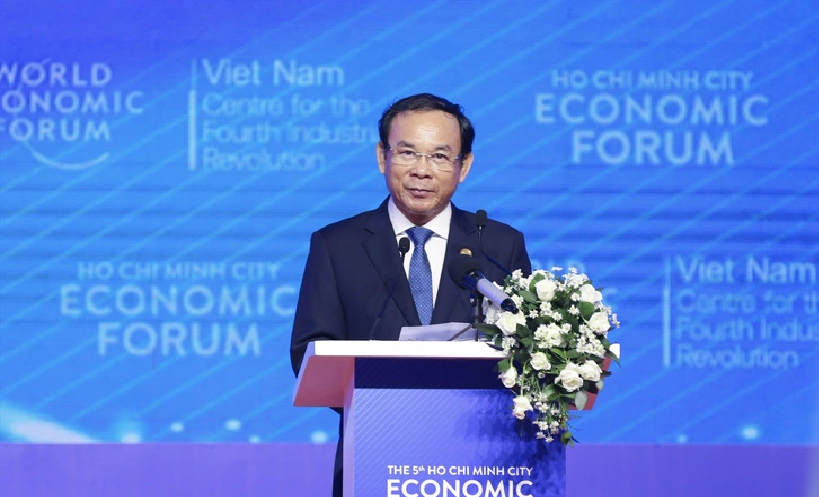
(354, 266)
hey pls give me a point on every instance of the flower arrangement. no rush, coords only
(555, 346)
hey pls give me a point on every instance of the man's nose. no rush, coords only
(422, 167)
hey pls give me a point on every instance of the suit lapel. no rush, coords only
(452, 302)
(382, 249)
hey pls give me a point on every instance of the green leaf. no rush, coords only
(587, 309)
(529, 296)
(534, 281)
(488, 329)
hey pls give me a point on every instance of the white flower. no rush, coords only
(546, 289)
(540, 362)
(521, 404)
(559, 297)
(597, 348)
(509, 377)
(590, 371)
(574, 280)
(589, 294)
(570, 378)
(508, 322)
(599, 322)
(540, 272)
(549, 335)
(492, 314)
(590, 346)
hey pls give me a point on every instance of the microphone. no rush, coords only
(403, 248)
(480, 220)
(466, 273)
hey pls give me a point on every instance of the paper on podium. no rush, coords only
(437, 332)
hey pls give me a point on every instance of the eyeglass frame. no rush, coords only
(428, 157)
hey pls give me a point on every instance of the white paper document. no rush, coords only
(439, 332)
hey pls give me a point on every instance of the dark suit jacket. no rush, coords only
(354, 264)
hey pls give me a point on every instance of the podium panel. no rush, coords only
(437, 427)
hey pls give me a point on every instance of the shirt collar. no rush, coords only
(439, 224)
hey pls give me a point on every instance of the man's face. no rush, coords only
(420, 190)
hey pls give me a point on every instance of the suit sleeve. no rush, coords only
(520, 258)
(319, 314)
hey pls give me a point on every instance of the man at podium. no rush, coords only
(368, 276)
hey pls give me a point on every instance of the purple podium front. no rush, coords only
(428, 419)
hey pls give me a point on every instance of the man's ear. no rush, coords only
(466, 165)
(381, 156)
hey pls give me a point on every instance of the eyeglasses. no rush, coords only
(437, 160)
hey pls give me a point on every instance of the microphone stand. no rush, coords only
(476, 302)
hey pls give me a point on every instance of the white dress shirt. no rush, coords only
(435, 246)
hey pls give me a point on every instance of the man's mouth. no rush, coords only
(418, 191)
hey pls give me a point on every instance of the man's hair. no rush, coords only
(422, 102)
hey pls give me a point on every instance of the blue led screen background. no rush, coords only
(163, 165)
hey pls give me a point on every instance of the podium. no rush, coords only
(428, 418)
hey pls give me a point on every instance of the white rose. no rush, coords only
(509, 377)
(589, 294)
(553, 338)
(508, 322)
(492, 312)
(599, 322)
(540, 361)
(573, 366)
(570, 378)
(546, 289)
(590, 371)
(520, 405)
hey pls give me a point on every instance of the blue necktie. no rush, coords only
(420, 274)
